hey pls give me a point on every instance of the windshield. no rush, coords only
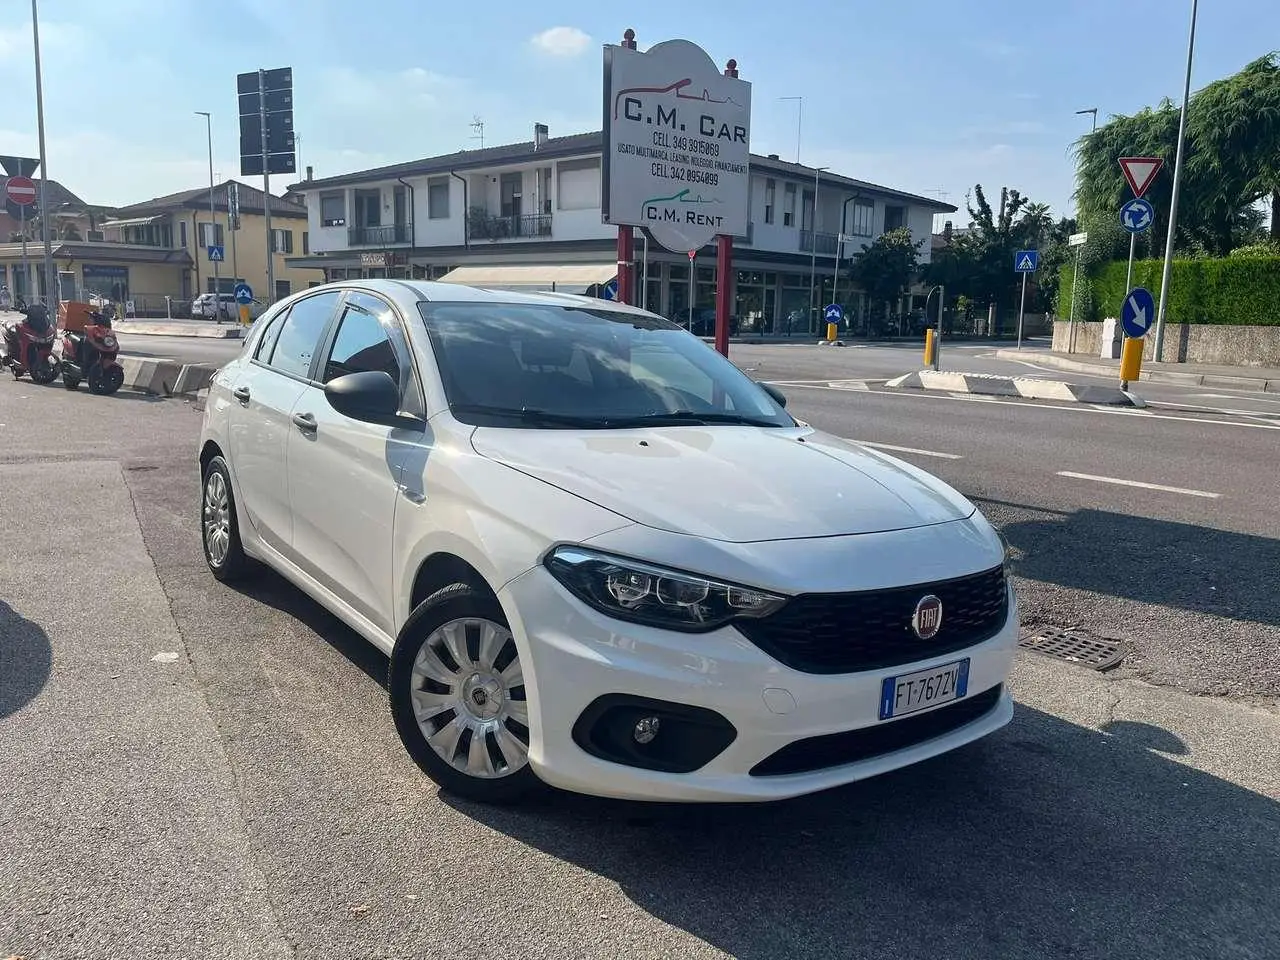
(548, 366)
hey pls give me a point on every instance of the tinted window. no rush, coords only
(271, 330)
(506, 364)
(300, 333)
(361, 345)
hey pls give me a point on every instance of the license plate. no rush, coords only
(913, 692)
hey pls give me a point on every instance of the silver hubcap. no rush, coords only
(469, 698)
(217, 518)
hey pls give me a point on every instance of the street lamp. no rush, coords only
(1177, 186)
(813, 245)
(799, 120)
(1094, 112)
(213, 218)
(50, 278)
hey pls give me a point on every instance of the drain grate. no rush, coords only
(1074, 647)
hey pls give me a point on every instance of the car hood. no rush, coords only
(739, 484)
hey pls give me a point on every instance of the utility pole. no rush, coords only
(213, 218)
(50, 278)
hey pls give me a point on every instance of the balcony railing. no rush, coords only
(485, 226)
(823, 243)
(381, 236)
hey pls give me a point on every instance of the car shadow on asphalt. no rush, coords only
(1047, 839)
(1160, 562)
(26, 660)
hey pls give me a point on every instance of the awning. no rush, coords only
(134, 222)
(529, 278)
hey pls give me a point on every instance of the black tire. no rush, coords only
(112, 380)
(457, 602)
(70, 382)
(229, 564)
(44, 372)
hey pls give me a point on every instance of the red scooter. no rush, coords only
(28, 345)
(90, 354)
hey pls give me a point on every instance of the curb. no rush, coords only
(1257, 384)
(1027, 389)
(164, 377)
(163, 328)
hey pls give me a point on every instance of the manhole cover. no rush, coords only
(1074, 647)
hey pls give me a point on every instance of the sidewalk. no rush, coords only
(1260, 379)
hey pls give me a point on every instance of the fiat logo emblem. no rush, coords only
(927, 620)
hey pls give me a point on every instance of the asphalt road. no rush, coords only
(196, 770)
(210, 350)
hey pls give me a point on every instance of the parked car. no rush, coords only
(704, 322)
(202, 307)
(597, 554)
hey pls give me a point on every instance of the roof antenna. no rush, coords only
(478, 126)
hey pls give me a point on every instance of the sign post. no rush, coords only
(692, 255)
(267, 141)
(676, 154)
(1136, 316)
(21, 192)
(1024, 262)
(1136, 216)
(833, 314)
(1076, 240)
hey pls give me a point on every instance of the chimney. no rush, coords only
(773, 156)
(310, 172)
(540, 132)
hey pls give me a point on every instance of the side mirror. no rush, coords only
(778, 395)
(371, 396)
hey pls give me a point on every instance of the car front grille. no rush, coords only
(851, 632)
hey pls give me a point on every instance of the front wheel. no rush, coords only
(104, 380)
(219, 529)
(70, 382)
(44, 372)
(458, 697)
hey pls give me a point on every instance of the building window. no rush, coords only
(894, 217)
(282, 241)
(333, 209)
(283, 289)
(368, 208)
(182, 232)
(863, 216)
(210, 237)
(806, 211)
(770, 195)
(578, 184)
(306, 243)
(544, 197)
(789, 205)
(438, 198)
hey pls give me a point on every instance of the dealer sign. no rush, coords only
(677, 145)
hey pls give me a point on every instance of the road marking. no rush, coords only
(1138, 483)
(1233, 396)
(916, 450)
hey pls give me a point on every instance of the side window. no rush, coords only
(361, 345)
(300, 333)
(268, 339)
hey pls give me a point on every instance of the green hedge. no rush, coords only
(1241, 291)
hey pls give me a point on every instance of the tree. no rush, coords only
(886, 268)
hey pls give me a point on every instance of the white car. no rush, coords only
(597, 554)
(202, 307)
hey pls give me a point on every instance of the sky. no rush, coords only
(927, 96)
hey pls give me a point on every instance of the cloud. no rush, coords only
(62, 39)
(561, 41)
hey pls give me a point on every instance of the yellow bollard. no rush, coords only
(244, 314)
(928, 347)
(831, 333)
(1131, 360)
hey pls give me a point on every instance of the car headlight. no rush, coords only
(1008, 550)
(656, 596)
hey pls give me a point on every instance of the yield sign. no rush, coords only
(1140, 171)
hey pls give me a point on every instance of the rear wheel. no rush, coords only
(70, 382)
(458, 697)
(112, 379)
(219, 531)
(97, 379)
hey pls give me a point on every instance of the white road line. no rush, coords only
(916, 450)
(1234, 396)
(1139, 483)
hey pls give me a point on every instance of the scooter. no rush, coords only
(90, 354)
(28, 345)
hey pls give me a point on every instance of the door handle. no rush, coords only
(412, 496)
(305, 422)
(241, 394)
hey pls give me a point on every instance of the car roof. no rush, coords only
(436, 292)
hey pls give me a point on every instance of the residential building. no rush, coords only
(180, 222)
(71, 221)
(527, 216)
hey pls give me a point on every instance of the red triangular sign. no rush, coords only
(1140, 172)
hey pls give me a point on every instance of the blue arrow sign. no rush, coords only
(1138, 313)
(1026, 261)
(216, 254)
(610, 291)
(1137, 215)
(243, 293)
(833, 313)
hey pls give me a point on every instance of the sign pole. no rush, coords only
(937, 337)
(1022, 306)
(1071, 324)
(626, 235)
(724, 265)
(1128, 285)
(26, 261)
(270, 295)
(692, 255)
(644, 282)
(51, 278)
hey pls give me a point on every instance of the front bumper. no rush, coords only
(574, 655)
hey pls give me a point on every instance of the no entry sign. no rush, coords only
(20, 190)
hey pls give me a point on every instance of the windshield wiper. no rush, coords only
(683, 417)
(533, 416)
(529, 415)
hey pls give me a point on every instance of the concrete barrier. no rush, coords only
(165, 378)
(180, 328)
(1024, 387)
(1244, 346)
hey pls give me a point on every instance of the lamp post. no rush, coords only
(1094, 112)
(213, 218)
(1167, 274)
(799, 121)
(50, 278)
(813, 245)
